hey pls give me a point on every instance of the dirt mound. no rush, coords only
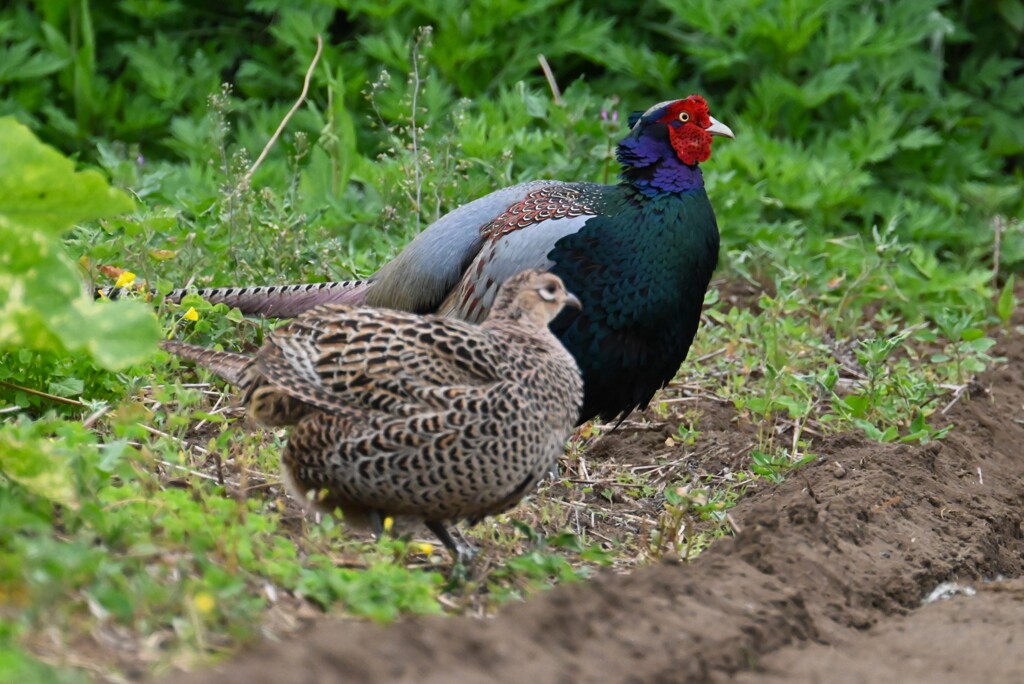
(824, 583)
(977, 638)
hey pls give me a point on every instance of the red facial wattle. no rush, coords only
(691, 143)
(688, 124)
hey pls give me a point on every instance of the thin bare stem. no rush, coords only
(998, 227)
(96, 415)
(412, 121)
(556, 94)
(291, 112)
(44, 395)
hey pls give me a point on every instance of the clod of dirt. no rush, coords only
(824, 583)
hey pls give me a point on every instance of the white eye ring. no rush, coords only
(684, 116)
(546, 294)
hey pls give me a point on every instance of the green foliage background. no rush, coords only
(850, 114)
(872, 192)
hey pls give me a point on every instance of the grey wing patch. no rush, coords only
(501, 259)
(421, 276)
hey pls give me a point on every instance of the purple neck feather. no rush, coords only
(650, 164)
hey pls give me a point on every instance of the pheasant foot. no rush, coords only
(462, 551)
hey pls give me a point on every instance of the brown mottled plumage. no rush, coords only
(419, 416)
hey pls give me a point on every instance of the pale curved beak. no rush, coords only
(572, 300)
(719, 128)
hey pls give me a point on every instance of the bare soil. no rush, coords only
(825, 582)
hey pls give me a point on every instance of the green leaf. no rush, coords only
(919, 138)
(980, 345)
(18, 666)
(793, 405)
(973, 365)
(66, 387)
(38, 465)
(43, 305)
(1007, 301)
(40, 189)
(1013, 12)
(857, 403)
(972, 334)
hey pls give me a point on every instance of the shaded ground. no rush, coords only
(824, 582)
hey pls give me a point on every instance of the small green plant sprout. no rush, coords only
(548, 560)
(774, 464)
(685, 507)
(967, 347)
(686, 434)
(1007, 302)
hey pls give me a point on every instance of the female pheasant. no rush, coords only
(638, 254)
(394, 413)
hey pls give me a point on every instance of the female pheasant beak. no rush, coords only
(572, 300)
(719, 128)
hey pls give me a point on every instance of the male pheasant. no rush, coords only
(638, 254)
(433, 418)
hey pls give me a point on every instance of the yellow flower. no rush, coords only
(389, 523)
(204, 603)
(426, 548)
(191, 314)
(125, 279)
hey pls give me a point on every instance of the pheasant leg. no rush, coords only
(376, 524)
(462, 551)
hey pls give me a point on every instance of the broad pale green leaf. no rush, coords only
(40, 189)
(43, 306)
(42, 303)
(37, 465)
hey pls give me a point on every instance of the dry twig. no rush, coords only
(556, 94)
(288, 116)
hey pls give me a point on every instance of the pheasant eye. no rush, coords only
(547, 293)
(684, 116)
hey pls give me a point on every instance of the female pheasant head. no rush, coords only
(532, 298)
(667, 142)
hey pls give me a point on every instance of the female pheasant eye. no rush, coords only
(547, 293)
(684, 116)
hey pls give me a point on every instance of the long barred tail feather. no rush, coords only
(228, 366)
(273, 301)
